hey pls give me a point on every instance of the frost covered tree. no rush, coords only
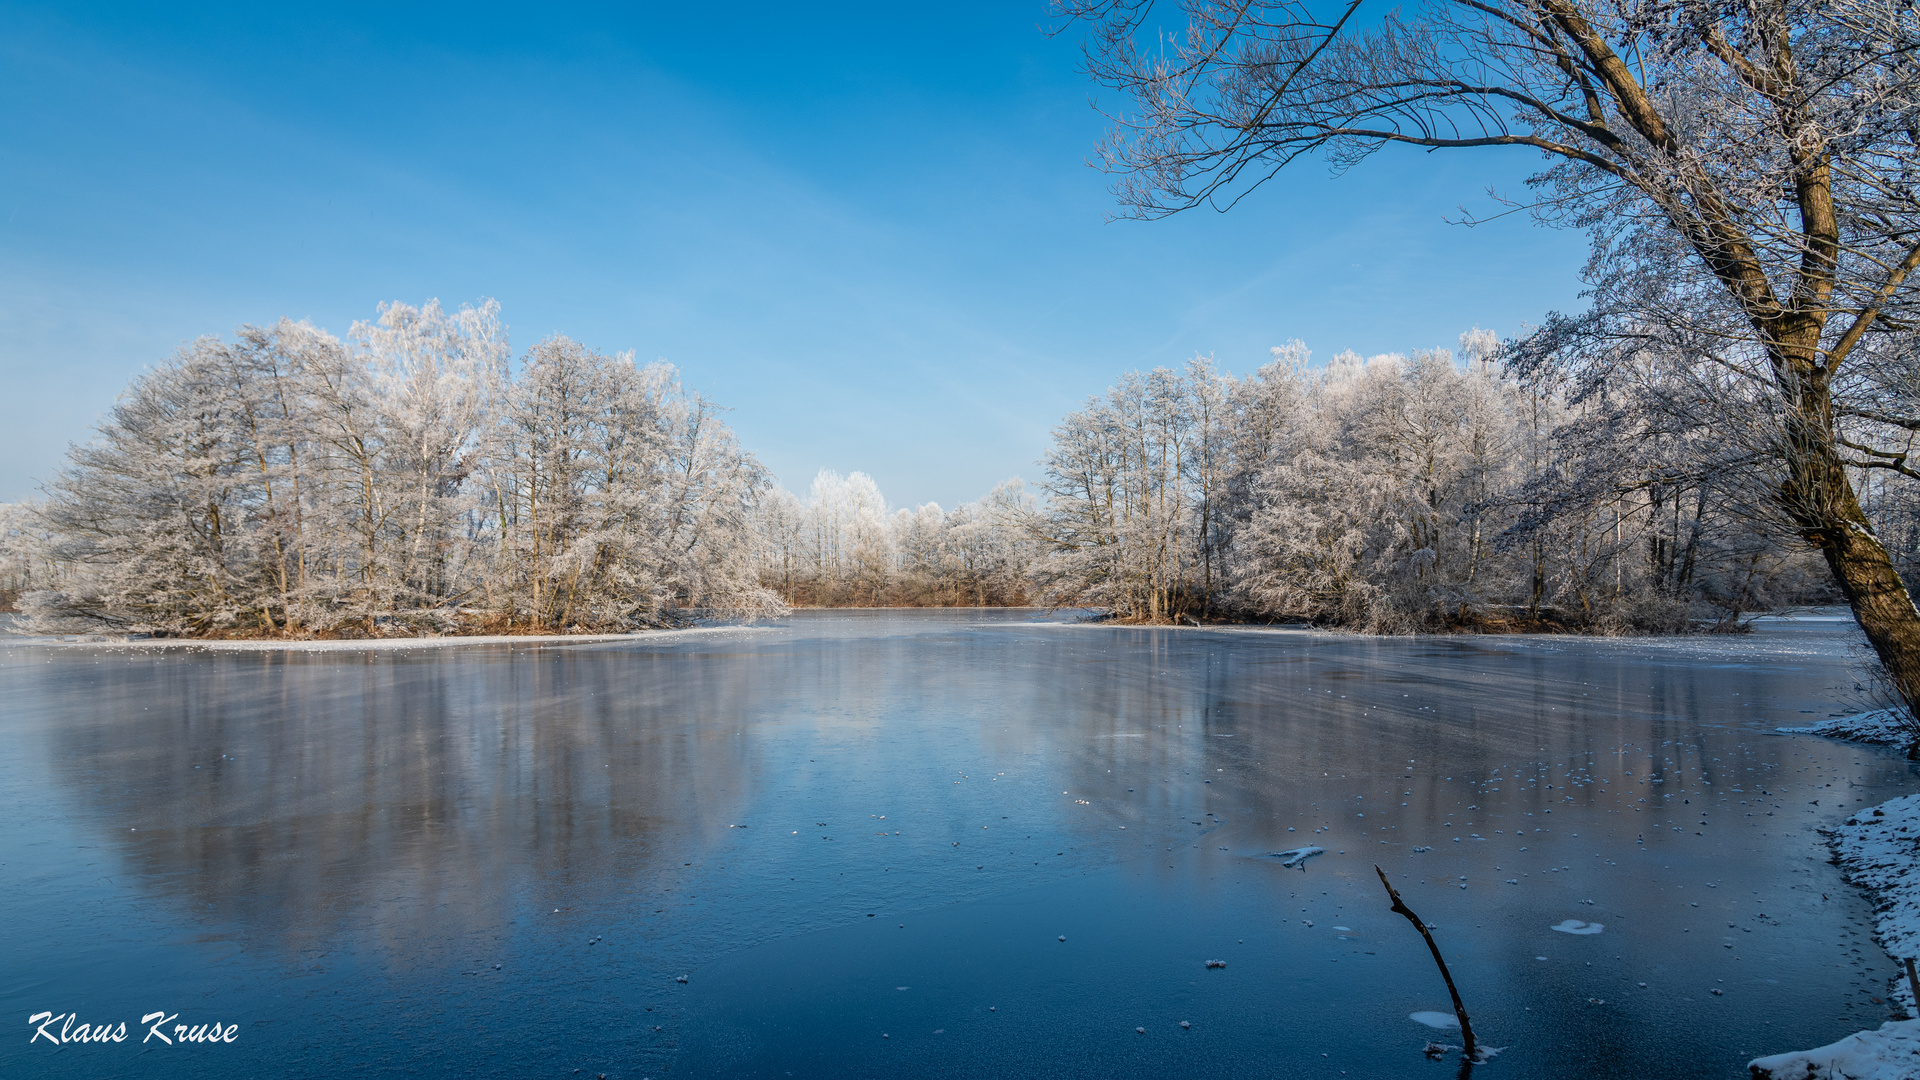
(1124, 528)
(155, 518)
(1378, 514)
(1149, 488)
(1748, 165)
(984, 555)
(24, 562)
(615, 497)
(429, 378)
(1648, 442)
(850, 547)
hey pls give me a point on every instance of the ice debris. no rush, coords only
(1443, 1021)
(1297, 856)
(1575, 926)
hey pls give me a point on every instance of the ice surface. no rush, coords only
(622, 703)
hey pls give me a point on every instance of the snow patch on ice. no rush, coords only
(1892, 1053)
(1883, 727)
(1575, 926)
(1440, 1020)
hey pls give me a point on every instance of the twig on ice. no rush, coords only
(1459, 1010)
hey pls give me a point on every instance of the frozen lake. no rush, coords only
(862, 835)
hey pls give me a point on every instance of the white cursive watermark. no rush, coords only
(63, 1028)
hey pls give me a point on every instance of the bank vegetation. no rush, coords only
(414, 478)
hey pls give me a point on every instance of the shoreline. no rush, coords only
(1065, 620)
(104, 641)
(1878, 851)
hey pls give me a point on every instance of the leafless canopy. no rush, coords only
(1778, 139)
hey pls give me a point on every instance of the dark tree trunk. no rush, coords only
(1879, 598)
(1820, 498)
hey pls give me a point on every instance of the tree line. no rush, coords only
(1483, 490)
(1415, 493)
(409, 479)
(401, 481)
(406, 481)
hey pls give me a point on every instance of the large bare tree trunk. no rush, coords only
(1820, 498)
(1865, 574)
(1880, 600)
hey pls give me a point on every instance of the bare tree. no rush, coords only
(1758, 157)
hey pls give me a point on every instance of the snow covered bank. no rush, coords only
(1878, 850)
(96, 641)
(1883, 727)
(1892, 1053)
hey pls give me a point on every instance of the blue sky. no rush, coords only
(870, 230)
